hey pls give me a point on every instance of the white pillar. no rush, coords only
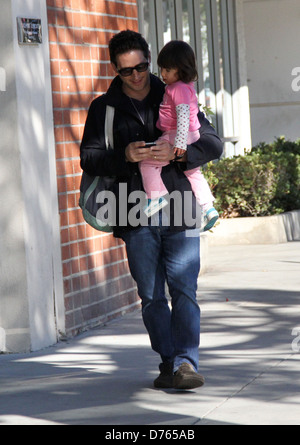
(2, 79)
(241, 102)
(40, 219)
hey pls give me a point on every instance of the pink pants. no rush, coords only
(154, 186)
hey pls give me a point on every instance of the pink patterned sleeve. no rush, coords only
(183, 125)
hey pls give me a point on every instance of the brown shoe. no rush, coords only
(187, 378)
(165, 379)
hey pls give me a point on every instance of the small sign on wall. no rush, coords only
(29, 31)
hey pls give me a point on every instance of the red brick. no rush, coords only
(58, 117)
(62, 202)
(75, 266)
(56, 84)
(71, 201)
(59, 135)
(67, 286)
(51, 14)
(73, 234)
(66, 54)
(66, 270)
(76, 4)
(64, 235)
(52, 34)
(83, 264)
(78, 79)
(57, 100)
(84, 281)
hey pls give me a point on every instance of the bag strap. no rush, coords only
(109, 121)
(90, 190)
(109, 141)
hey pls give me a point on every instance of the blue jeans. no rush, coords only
(157, 255)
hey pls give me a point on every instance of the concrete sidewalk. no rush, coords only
(250, 300)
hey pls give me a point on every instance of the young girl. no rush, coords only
(178, 119)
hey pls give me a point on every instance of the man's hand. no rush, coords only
(162, 152)
(135, 152)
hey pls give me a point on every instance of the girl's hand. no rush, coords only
(179, 152)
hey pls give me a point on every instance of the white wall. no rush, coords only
(31, 303)
(14, 311)
(272, 35)
(36, 142)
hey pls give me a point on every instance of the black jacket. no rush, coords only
(127, 127)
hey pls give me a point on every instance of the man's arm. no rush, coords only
(208, 148)
(96, 160)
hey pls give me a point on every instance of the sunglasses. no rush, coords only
(141, 68)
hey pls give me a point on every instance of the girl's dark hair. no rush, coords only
(179, 55)
(126, 41)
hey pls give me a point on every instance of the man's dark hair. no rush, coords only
(126, 41)
(179, 55)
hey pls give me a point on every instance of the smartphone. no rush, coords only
(150, 144)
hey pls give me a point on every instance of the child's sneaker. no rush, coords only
(154, 206)
(210, 219)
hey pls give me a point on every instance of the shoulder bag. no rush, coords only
(91, 186)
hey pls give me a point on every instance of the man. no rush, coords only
(156, 252)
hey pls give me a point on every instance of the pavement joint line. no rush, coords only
(231, 396)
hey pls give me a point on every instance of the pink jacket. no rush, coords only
(177, 94)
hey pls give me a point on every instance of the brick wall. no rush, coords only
(97, 282)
